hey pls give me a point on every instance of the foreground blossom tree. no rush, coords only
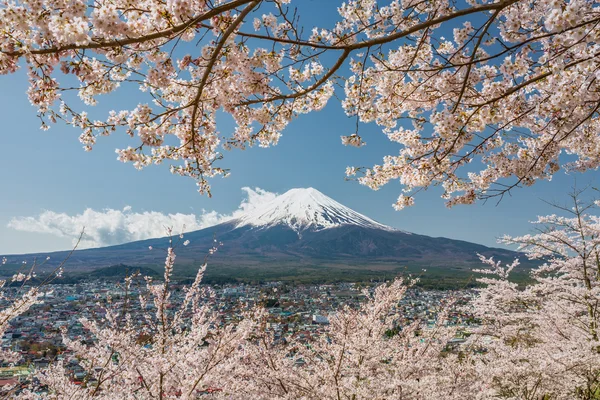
(184, 351)
(171, 350)
(371, 352)
(18, 295)
(509, 83)
(16, 304)
(545, 337)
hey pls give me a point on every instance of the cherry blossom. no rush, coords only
(370, 352)
(506, 86)
(542, 340)
(177, 350)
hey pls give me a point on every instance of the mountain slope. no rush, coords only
(299, 231)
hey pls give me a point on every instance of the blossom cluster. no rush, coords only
(513, 109)
(512, 89)
(548, 344)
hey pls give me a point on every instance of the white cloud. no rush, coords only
(109, 226)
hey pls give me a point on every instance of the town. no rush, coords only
(300, 312)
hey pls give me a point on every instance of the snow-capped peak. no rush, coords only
(303, 209)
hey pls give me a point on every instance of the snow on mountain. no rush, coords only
(306, 209)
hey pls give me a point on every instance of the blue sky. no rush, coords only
(49, 171)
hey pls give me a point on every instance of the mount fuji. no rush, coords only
(299, 235)
(305, 209)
